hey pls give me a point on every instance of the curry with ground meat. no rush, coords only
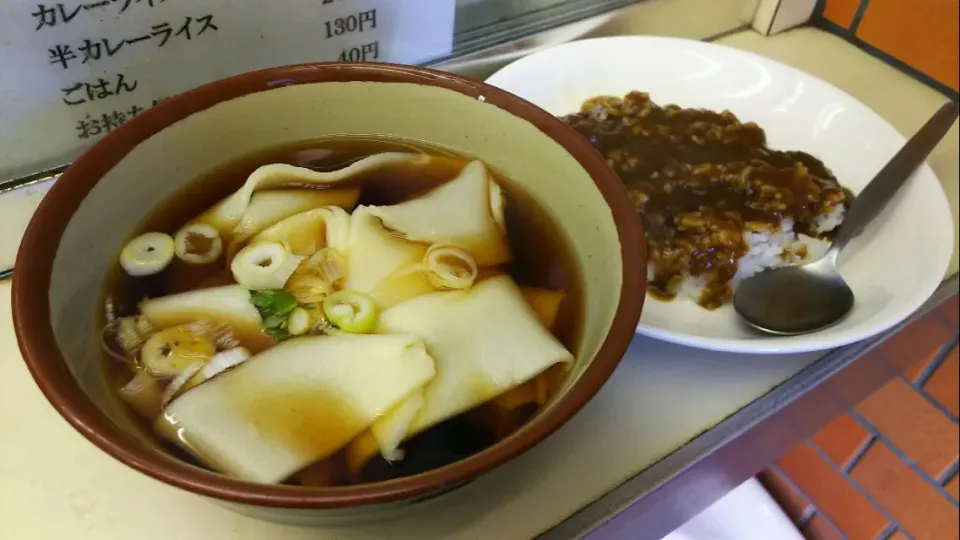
(699, 180)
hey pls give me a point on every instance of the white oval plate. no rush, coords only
(893, 267)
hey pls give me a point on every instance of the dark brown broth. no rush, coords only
(541, 258)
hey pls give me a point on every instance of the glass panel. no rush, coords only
(481, 24)
(77, 69)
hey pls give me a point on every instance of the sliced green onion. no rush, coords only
(274, 321)
(298, 322)
(273, 302)
(264, 265)
(351, 311)
(450, 267)
(284, 303)
(274, 307)
(278, 334)
(147, 254)
(198, 243)
(262, 300)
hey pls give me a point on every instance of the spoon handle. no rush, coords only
(880, 191)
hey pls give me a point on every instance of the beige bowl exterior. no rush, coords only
(154, 168)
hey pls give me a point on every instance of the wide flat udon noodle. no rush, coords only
(466, 212)
(229, 304)
(308, 232)
(402, 285)
(228, 213)
(383, 437)
(546, 304)
(485, 341)
(270, 207)
(295, 403)
(373, 253)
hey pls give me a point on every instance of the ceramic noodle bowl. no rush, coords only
(72, 243)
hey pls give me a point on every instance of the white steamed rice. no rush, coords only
(773, 250)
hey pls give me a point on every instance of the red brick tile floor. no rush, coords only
(887, 468)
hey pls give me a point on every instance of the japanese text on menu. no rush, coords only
(195, 28)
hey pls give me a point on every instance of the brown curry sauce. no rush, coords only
(699, 180)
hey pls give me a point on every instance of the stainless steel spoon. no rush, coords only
(799, 299)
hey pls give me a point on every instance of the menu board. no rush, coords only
(72, 71)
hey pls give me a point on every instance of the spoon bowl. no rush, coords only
(801, 299)
(795, 299)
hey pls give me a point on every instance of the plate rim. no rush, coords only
(771, 344)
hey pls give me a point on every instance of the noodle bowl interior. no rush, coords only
(341, 311)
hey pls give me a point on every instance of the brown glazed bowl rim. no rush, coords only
(31, 308)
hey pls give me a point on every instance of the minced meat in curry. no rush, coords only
(699, 180)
